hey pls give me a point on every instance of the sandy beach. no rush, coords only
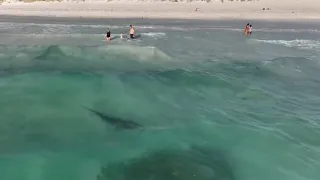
(259, 10)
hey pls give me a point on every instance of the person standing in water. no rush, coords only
(108, 34)
(131, 32)
(246, 29)
(250, 29)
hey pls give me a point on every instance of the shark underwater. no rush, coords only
(116, 122)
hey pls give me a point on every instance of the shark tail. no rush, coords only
(85, 107)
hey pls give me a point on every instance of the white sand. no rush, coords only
(279, 9)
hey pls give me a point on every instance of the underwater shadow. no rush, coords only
(195, 163)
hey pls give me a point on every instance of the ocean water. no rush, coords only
(212, 103)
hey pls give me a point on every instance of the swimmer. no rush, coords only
(131, 32)
(121, 35)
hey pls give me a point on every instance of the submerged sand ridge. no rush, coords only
(262, 9)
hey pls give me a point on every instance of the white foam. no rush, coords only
(154, 34)
(288, 30)
(298, 43)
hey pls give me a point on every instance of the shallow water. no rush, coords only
(249, 104)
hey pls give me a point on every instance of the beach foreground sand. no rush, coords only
(262, 9)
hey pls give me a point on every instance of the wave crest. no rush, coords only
(79, 58)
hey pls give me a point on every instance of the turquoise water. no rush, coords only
(213, 104)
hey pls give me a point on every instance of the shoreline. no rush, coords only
(285, 11)
(93, 20)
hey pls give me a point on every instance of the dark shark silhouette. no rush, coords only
(116, 122)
